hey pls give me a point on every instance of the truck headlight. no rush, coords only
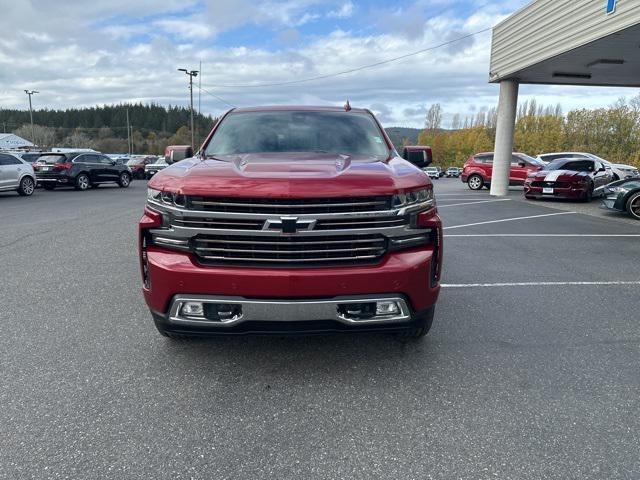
(167, 198)
(618, 190)
(415, 197)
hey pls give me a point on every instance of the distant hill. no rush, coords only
(399, 134)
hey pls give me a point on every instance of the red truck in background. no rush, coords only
(292, 219)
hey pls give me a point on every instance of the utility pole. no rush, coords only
(191, 73)
(199, 95)
(31, 92)
(128, 134)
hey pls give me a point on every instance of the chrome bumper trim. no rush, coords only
(286, 310)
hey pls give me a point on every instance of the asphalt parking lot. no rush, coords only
(530, 371)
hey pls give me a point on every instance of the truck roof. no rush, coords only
(298, 108)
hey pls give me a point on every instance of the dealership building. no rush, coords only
(9, 141)
(560, 42)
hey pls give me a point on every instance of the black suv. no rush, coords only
(80, 170)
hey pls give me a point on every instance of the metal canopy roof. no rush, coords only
(572, 42)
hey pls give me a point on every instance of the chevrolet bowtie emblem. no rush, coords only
(289, 224)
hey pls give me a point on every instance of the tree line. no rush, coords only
(104, 128)
(612, 133)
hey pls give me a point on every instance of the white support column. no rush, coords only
(507, 107)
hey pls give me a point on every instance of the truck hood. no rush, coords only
(299, 175)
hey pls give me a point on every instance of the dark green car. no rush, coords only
(624, 196)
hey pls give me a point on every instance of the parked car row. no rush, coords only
(80, 168)
(478, 169)
(567, 175)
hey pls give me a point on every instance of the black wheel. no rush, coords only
(421, 328)
(633, 205)
(48, 186)
(82, 182)
(588, 194)
(26, 187)
(140, 175)
(124, 180)
(475, 182)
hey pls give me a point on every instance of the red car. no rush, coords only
(292, 219)
(137, 163)
(567, 178)
(478, 169)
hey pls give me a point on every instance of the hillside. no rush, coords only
(403, 136)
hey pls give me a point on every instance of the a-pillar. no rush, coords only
(503, 150)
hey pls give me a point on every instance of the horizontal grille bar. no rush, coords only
(289, 206)
(289, 250)
(227, 224)
(322, 224)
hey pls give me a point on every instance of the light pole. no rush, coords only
(31, 92)
(191, 73)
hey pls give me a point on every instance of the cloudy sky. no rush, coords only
(82, 53)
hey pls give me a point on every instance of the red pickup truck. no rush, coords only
(292, 219)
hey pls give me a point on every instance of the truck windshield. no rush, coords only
(298, 131)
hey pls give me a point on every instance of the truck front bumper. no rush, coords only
(278, 300)
(288, 316)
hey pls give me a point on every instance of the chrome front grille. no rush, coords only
(346, 223)
(289, 206)
(289, 250)
(287, 232)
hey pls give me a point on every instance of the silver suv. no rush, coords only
(16, 174)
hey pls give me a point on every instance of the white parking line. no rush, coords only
(536, 284)
(508, 220)
(457, 194)
(473, 203)
(595, 235)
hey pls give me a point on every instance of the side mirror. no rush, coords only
(522, 164)
(602, 169)
(420, 156)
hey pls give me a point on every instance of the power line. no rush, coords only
(356, 69)
(217, 97)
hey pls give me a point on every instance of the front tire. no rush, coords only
(124, 180)
(421, 328)
(26, 187)
(588, 194)
(82, 182)
(633, 205)
(475, 182)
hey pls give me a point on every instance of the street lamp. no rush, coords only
(191, 73)
(31, 92)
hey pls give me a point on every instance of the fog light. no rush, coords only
(387, 308)
(192, 309)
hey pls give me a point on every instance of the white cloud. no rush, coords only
(98, 61)
(345, 11)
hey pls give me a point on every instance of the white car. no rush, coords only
(16, 174)
(619, 171)
(433, 172)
